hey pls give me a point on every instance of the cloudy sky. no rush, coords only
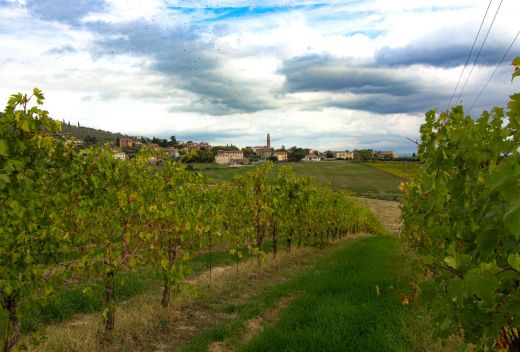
(324, 74)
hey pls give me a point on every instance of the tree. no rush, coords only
(90, 140)
(363, 154)
(201, 156)
(215, 149)
(296, 154)
(273, 158)
(173, 141)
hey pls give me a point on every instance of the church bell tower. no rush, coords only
(268, 140)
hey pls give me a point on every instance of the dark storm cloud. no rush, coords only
(68, 11)
(383, 91)
(445, 48)
(185, 60)
(388, 104)
(318, 73)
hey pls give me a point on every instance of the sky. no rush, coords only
(328, 75)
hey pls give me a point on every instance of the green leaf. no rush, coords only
(512, 220)
(4, 180)
(4, 148)
(514, 261)
(516, 63)
(39, 95)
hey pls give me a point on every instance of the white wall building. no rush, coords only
(226, 157)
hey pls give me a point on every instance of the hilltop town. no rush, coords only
(126, 147)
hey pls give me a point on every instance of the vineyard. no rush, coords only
(81, 219)
(83, 232)
(462, 218)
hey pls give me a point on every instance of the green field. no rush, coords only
(360, 178)
(397, 168)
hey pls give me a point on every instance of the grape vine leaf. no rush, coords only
(516, 63)
(512, 220)
(514, 261)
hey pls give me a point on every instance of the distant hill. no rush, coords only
(87, 133)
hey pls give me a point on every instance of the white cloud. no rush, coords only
(237, 90)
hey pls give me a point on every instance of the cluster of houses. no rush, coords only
(235, 157)
(137, 143)
(266, 152)
(315, 156)
(263, 152)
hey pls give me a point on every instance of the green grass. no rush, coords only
(337, 307)
(360, 178)
(339, 310)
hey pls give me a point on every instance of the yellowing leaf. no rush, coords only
(451, 261)
(405, 299)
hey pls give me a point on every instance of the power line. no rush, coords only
(469, 55)
(496, 69)
(480, 50)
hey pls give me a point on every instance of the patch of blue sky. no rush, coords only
(341, 14)
(215, 14)
(370, 33)
(429, 9)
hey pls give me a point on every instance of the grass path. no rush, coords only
(348, 302)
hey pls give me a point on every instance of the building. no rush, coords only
(120, 155)
(311, 158)
(381, 155)
(73, 141)
(343, 155)
(264, 151)
(281, 155)
(226, 157)
(172, 152)
(126, 142)
(191, 147)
